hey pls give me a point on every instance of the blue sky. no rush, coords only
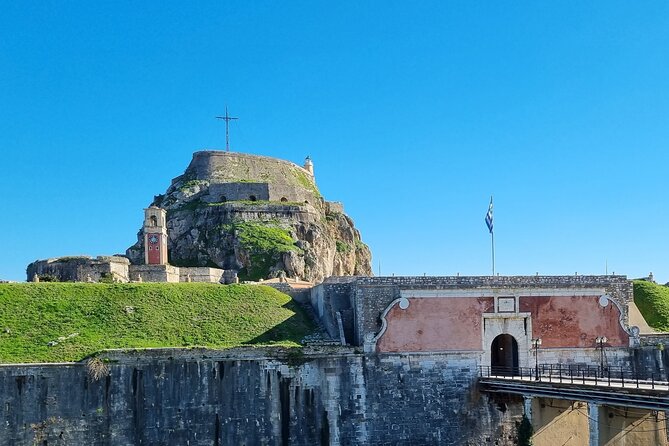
(414, 114)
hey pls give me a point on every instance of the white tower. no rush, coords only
(309, 166)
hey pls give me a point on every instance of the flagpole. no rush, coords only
(489, 222)
(492, 237)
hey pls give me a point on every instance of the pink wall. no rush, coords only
(435, 324)
(454, 323)
(573, 321)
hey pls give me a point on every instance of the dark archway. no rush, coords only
(224, 198)
(504, 355)
(284, 199)
(252, 198)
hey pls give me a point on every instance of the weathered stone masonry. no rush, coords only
(355, 394)
(250, 397)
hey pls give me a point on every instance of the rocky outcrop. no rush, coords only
(261, 216)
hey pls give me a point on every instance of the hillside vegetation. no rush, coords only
(51, 322)
(653, 303)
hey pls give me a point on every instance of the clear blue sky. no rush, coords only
(414, 113)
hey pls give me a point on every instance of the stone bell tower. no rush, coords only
(155, 236)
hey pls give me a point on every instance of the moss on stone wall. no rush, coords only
(307, 183)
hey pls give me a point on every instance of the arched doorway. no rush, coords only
(504, 355)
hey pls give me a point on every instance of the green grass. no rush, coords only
(191, 183)
(653, 303)
(141, 316)
(307, 183)
(265, 242)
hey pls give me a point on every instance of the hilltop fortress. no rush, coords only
(395, 361)
(231, 216)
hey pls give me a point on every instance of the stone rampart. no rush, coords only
(257, 396)
(326, 395)
(372, 295)
(230, 165)
(80, 269)
(237, 191)
(118, 269)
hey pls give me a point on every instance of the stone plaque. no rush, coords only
(506, 305)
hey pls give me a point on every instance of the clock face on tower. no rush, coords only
(153, 239)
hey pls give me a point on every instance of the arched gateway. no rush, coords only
(504, 355)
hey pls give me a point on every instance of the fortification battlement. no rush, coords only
(438, 282)
(205, 163)
(216, 177)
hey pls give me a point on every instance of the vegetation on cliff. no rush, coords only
(265, 242)
(51, 322)
(217, 208)
(653, 303)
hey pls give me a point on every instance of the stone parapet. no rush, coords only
(154, 273)
(200, 274)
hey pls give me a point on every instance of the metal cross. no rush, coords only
(227, 118)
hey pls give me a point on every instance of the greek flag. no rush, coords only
(488, 216)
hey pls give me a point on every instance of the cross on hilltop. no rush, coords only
(227, 118)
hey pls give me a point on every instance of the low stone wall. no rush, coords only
(154, 273)
(200, 274)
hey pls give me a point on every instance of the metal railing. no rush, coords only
(579, 374)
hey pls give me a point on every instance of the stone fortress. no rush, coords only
(195, 231)
(400, 361)
(119, 269)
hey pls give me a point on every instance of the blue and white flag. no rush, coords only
(488, 216)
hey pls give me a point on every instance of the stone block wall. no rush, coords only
(330, 298)
(154, 273)
(254, 397)
(372, 295)
(220, 192)
(200, 274)
(80, 269)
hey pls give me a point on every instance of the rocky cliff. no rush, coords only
(261, 216)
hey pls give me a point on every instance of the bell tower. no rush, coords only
(155, 236)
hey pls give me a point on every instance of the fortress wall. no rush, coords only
(64, 269)
(236, 191)
(292, 193)
(232, 166)
(80, 269)
(254, 397)
(573, 321)
(373, 295)
(452, 323)
(327, 299)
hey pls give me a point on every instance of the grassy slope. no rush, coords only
(162, 315)
(653, 303)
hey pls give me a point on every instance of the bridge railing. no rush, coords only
(612, 376)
